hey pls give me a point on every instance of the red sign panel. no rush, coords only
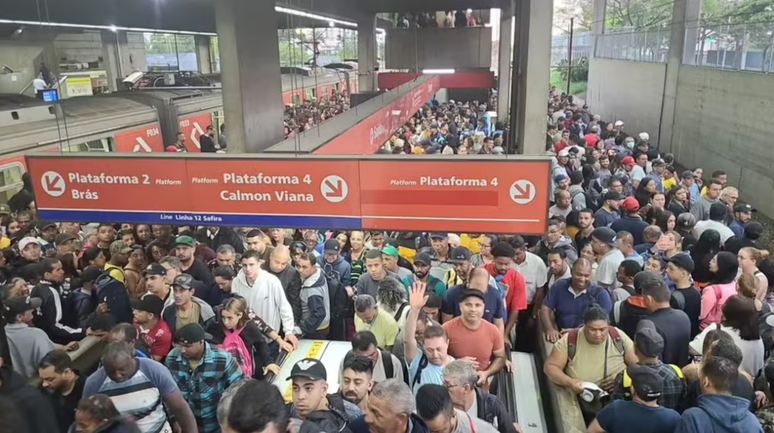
(193, 127)
(497, 196)
(368, 135)
(143, 139)
(457, 80)
(506, 196)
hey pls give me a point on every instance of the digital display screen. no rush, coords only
(50, 95)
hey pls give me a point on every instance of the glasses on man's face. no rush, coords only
(482, 246)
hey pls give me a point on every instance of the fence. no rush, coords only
(642, 46)
(741, 47)
(560, 44)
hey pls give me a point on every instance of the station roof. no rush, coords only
(199, 15)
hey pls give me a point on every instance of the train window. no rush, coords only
(296, 99)
(10, 180)
(99, 145)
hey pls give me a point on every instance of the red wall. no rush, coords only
(457, 80)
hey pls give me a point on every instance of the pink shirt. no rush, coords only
(711, 305)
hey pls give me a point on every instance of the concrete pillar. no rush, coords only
(598, 24)
(366, 54)
(504, 66)
(111, 59)
(533, 51)
(677, 42)
(203, 59)
(692, 15)
(250, 73)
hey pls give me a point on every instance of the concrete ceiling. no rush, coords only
(198, 15)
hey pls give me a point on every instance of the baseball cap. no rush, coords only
(331, 246)
(183, 280)
(472, 292)
(560, 177)
(150, 303)
(423, 258)
(27, 241)
(120, 247)
(613, 195)
(604, 234)
(61, 238)
(630, 204)
(644, 136)
(390, 250)
(683, 261)
(564, 152)
(155, 269)
(753, 230)
(717, 211)
(658, 162)
(647, 339)
(619, 123)
(5, 209)
(90, 274)
(744, 207)
(186, 240)
(309, 368)
(687, 174)
(438, 235)
(42, 225)
(19, 304)
(648, 385)
(190, 333)
(627, 160)
(459, 255)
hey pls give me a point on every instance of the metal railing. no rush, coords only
(745, 46)
(641, 46)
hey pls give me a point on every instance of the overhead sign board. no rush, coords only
(481, 195)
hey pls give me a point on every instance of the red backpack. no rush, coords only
(234, 345)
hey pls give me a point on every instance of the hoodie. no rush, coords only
(315, 303)
(718, 413)
(578, 197)
(32, 406)
(340, 269)
(564, 243)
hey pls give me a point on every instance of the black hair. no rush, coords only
(251, 254)
(434, 332)
(657, 289)
(127, 330)
(717, 173)
(721, 372)
(432, 401)
(254, 233)
(517, 242)
(561, 252)
(47, 265)
(503, 249)
(359, 364)
(59, 359)
(309, 257)
(728, 267)
(661, 219)
(102, 322)
(362, 340)
(373, 254)
(739, 313)
(91, 253)
(433, 300)
(630, 267)
(595, 312)
(99, 407)
(256, 405)
(225, 272)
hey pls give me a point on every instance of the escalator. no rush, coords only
(520, 392)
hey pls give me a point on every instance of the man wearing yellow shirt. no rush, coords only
(119, 257)
(369, 317)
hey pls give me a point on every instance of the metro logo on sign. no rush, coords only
(193, 127)
(145, 139)
(485, 195)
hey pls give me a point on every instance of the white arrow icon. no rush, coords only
(334, 189)
(141, 146)
(196, 132)
(522, 191)
(53, 183)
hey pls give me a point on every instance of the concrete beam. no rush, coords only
(504, 66)
(598, 23)
(366, 54)
(250, 72)
(204, 61)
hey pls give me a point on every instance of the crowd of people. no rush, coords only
(649, 284)
(447, 19)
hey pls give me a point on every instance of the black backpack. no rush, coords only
(113, 293)
(590, 202)
(333, 420)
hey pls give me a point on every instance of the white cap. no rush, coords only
(619, 123)
(644, 136)
(564, 152)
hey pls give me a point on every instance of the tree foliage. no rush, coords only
(164, 43)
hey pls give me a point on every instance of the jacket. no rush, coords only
(55, 318)
(717, 413)
(120, 425)
(339, 269)
(83, 306)
(315, 303)
(578, 197)
(225, 236)
(206, 314)
(34, 409)
(492, 410)
(417, 425)
(564, 243)
(291, 282)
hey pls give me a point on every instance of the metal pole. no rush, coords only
(569, 63)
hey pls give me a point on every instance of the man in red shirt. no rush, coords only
(153, 331)
(510, 280)
(592, 137)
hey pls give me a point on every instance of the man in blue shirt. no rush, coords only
(568, 299)
(608, 212)
(742, 215)
(493, 300)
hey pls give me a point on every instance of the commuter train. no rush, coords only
(142, 120)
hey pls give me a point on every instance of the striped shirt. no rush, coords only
(140, 397)
(203, 385)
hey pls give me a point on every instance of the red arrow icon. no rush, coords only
(522, 191)
(336, 191)
(52, 183)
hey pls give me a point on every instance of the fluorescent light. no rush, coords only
(438, 71)
(102, 27)
(113, 29)
(331, 24)
(313, 16)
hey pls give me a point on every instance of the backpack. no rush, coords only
(718, 296)
(400, 311)
(590, 202)
(234, 345)
(113, 293)
(572, 341)
(333, 420)
(418, 377)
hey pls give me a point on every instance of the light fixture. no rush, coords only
(470, 11)
(304, 14)
(331, 24)
(438, 71)
(113, 29)
(18, 31)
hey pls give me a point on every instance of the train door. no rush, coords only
(11, 171)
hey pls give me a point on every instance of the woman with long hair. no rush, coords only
(702, 253)
(646, 187)
(740, 321)
(747, 286)
(235, 321)
(93, 256)
(666, 221)
(724, 268)
(155, 251)
(391, 297)
(355, 254)
(678, 200)
(748, 258)
(98, 414)
(133, 271)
